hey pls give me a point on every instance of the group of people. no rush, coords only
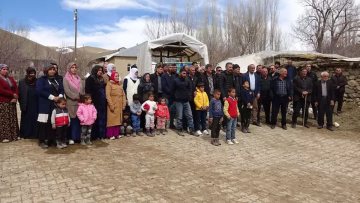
(59, 110)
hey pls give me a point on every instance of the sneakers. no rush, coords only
(138, 133)
(192, 132)
(5, 141)
(59, 145)
(149, 134)
(163, 132)
(133, 134)
(198, 133)
(82, 141)
(158, 132)
(234, 141)
(215, 142)
(218, 142)
(293, 125)
(181, 133)
(112, 138)
(63, 143)
(243, 130)
(229, 142)
(71, 142)
(88, 141)
(44, 145)
(205, 132)
(247, 130)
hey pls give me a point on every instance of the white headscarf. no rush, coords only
(132, 73)
(109, 67)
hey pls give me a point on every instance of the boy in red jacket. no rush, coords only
(161, 114)
(60, 121)
(231, 112)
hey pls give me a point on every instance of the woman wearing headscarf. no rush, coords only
(143, 89)
(57, 76)
(95, 86)
(29, 105)
(110, 68)
(115, 96)
(73, 89)
(9, 127)
(131, 83)
(50, 90)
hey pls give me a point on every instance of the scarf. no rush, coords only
(146, 86)
(30, 80)
(51, 79)
(74, 80)
(109, 67)
(112, 77)
(132, 74)
(6, 78)
(98, 78)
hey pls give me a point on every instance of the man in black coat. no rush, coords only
(264, 100)
(324, 99)
(303, 88)
(281, 93)
(191, 81)
(238, 84)
(339, 81)
(314, 79)
(209, 80)
(155, 79)
(217, 74)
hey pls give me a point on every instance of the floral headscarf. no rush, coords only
(6, 78)
(74, 80)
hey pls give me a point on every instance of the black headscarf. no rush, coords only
(51, 79)
(146, 86)
(30, 80)
(98, 78)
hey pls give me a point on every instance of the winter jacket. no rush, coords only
(162, 111)
(154, 78)
(128, 121)
(318, 92)
(246, 77)
(298, 89)
(6, 93)
(225, 81)
(191, 86)
(265, 86)
(60, 117)
(247, 96)
(274, 87)
(179, 91)
(216, 108)
(201, 100)
(144, 88)
(151, 110)
(339, 80)
(135, 107)
(205, 80)
(291, 72)
(230, 108)
(166, 84)
(87, 114)
(238, 85)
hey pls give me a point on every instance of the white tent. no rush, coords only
(189, 47)
(242, 61)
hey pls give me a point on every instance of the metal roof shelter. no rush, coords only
(177, 45)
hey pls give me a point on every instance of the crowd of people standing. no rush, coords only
(60, 110)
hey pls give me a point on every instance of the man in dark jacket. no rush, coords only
(314, 79)
(281, 93)
(339, 81)
(155, 79)
(264, 100)
(209, 80)
(272, 72)
(254, 82)
(259, 70)
(324, 99)
(303, 88)
(179, 93)
(191, 81)
(217, 74)
(166, 85)
(291, 70)
(238, 84)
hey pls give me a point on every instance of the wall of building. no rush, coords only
(121, 64)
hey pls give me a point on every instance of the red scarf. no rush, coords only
(113, 77)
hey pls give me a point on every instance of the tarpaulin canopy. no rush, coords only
(177, 45)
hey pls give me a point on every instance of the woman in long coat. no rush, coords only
(29, 105)
(95, 86)
(115, 96)
(50, 90)
(73, 89)
(9, 127)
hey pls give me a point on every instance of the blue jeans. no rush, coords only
(230, 128)
(170, 104)
(200, 120)
(183, 108)
(135, 122)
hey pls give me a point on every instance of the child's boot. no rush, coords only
(213, 142)
(247, 128)
(148, 133)
(63, 143)
(82, 142)
(158, 132)
(163, 132)
(133, 134)
(87, 140)
(59, 144)
(218, 142)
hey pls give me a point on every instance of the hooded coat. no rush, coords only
(144, 88)
(116, 99)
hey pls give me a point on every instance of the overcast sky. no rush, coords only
(108, 24)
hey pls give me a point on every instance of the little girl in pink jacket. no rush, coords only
(87, 116)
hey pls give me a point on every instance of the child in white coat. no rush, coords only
(150, 108)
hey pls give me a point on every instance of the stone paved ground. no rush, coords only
(267, 166)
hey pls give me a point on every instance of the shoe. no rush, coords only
(172, 126)
(59, 145)
(218, 141)
(88, 141)
(112, 138)
(284, 127)
(117, 137)
(293, 125)
(127, 135)
(306, 126)
(82, 141)
(192, 132)
(149, 134)
(320, 127)
(213, 142)
(234, 141)
(63, 143)
(205, 132)
(163, 132)
(166, 130)
(243, 130)
(224, 129)
(247, 130)
(330, 128)
(181, 133)
(133, 134)
(229, 142)
(268, 122)
(44, 145)
(71, 142)
(198, 133)
(257, 124)
(5, 141)
(272, 126)
(158, 132)
(338, 113)
(139, 134)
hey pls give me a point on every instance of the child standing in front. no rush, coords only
(135, 109)
(201, 101)
(231, 112)
(161, 115)
(149, 107)
(125, 128)
(60, 121)
(247, 99)
(87, 115)
(216, 115)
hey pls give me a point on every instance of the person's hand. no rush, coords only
(154, 108)
(145, 110)
(228, 118)
(305, 93)
(207, 108)
(289, 98)
(332, 103)
(224, 98)
(13, 101)
(338, 87)
(211, 120)
(54, 127)
(125, 124)
(258, 96)
(77, 98)
(112, 109)
(222, 119)
(56, 99)
(138, 113)
(316, 104)
(16, 96)
(195, 93)
(123, 108)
